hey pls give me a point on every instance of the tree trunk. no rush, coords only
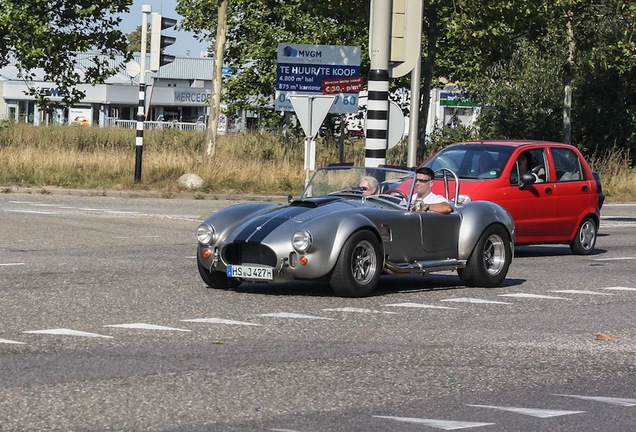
(217, 77)
(568, 68)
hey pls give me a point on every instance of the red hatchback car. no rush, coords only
(548, 188)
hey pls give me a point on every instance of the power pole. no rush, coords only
(215, 97)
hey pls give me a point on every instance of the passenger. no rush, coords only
(423, 198)
(368, 185)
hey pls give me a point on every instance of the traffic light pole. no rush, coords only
(141, 109)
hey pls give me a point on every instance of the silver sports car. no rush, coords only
(336, 232)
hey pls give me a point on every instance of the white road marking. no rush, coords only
(620, 288)
(26, 202)
(572, 291)
(615, 259)
(438, 424)
(11, 264)
(123, 212)
(8, 341)
(283, 430)
(33, 212)
(610, 400)
(537, 296)
(359, 310)
(144, 326)
(68, 332)
(419, 305)
(534, 412)
(219, 321)
(293, 315)
(137, 237)
(474, 300)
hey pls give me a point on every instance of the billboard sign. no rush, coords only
(303, 69)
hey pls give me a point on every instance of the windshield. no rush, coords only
(472, 161)
(362, 181)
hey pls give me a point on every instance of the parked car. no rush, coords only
(558, 200)
(334, 231)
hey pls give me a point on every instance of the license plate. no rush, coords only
(250, 272)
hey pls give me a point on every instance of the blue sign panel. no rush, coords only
(301, 70)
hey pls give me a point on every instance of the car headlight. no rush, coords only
(205, 234)
(301, 241)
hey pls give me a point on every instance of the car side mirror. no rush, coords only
(527, 179)
(290, 198)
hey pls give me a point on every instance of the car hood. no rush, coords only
(299, 211)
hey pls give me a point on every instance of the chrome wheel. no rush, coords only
(364, 262)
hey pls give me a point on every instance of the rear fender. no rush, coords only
(477, 215)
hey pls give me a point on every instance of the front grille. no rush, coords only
(253, 253)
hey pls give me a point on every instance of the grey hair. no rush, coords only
(371, 181)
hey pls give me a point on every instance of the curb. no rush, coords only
(193, 195)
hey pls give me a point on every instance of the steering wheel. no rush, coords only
(396, 193)
(536, 169)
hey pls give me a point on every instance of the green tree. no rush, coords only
(256, 27)
(134, 39)
(51, 35)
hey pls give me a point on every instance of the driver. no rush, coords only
(423, 198)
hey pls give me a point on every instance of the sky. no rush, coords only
(186, 44)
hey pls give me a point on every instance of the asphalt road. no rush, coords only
(106, 325)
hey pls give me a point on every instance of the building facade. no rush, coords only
(179, 93)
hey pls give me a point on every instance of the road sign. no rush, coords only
(311, 110)
(301, 69)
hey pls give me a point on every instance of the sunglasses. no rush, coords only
(363, 188)
(419, 180)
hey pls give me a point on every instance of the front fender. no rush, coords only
(331, 233)
(477, 215)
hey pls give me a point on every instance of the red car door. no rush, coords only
(533, 206)
(575, 191)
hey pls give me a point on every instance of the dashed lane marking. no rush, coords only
(474, 300)
(437, 424)
(534, 296)
(144, 326)
(9, 341)
(293, 315)
(11, 264)
(68, 332)
(419, 305)
(610, 400)
(359, 310)
(219, 321)
(620, 288)
(33, 212)
(541, 413)
(616, 259)
(586, 292)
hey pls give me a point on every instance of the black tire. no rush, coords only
(216, 279)
(359, 266)
(488, 264)
(585, 239)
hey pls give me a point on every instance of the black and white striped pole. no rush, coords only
(141, 109)
(378, 86)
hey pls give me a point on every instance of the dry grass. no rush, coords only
(104, 158)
